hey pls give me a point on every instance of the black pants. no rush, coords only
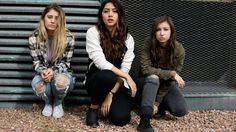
(99, 85)
(173, 102)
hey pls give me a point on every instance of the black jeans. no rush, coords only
(99, 85)
(173, 102)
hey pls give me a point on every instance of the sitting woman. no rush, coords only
(110, 49)
(51, 47)
(161, 60)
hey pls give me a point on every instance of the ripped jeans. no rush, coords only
(54, 91)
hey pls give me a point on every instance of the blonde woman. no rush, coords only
(51, 48)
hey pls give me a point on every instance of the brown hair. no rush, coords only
(155, 46)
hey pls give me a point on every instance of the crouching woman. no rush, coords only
(51, 48)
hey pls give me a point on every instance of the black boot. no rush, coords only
(159, 115)
(144, 125)
(92, 117)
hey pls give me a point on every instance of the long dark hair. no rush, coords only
(155, 46)
(113, 45)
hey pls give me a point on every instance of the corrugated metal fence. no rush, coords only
(18, 18)
(207, 31)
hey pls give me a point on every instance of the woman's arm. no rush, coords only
(129, 55)
(95, 51)
(180, 56)
(127, 77)
(37, 64)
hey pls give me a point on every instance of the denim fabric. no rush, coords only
(173, 102)
(51, 94)
(150, 89)
(146, 95)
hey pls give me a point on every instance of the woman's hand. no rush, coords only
(105, 108)
(179, 80)
(47, 75)
(132, 86)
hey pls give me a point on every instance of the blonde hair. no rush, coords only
(59, 35)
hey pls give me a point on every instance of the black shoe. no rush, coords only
(145, 126)
(92, 118)
(159, 116)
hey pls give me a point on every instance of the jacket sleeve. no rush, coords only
(146, 64)
(129, 55)
(180, 56)
(95, 51)
(63, 65)
(37, 64)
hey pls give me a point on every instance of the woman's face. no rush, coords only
(163, 33)
(50, 20)
(110, 16)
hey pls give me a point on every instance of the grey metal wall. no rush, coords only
(18, 18)
(204, 28)
(207, 31)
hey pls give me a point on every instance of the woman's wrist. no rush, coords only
(112, 93)
(127, 77)
(172, 73)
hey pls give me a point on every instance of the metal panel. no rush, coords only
(207, 31)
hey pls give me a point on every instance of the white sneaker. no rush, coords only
(58, 111)
(47, 110)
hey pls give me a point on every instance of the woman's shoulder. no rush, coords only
(69, 33)
(34, 34)
(93, 29)
(179, 46)
(129, 36)
(147, 40)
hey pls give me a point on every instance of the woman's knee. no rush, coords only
(106, 75)
(179, 112)
(120, 119)
(153, 79)
(39, 88)
(62, 83)
(38, 85)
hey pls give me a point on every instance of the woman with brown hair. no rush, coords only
(162, 59)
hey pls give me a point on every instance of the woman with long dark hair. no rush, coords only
(110, 49)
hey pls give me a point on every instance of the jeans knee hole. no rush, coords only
(39, 88)
(62, 81)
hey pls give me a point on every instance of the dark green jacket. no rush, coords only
(148, 69)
